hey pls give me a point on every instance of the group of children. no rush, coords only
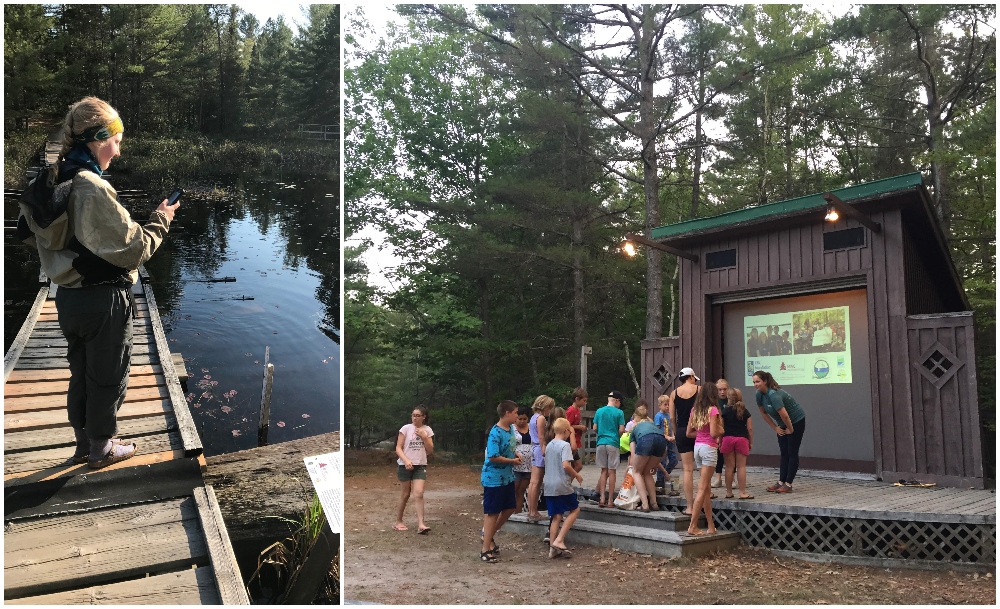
(535, 452)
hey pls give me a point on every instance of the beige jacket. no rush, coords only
(95, 224)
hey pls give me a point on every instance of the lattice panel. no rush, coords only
(838, 536)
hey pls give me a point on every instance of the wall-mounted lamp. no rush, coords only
(836, 208)
(631, 239)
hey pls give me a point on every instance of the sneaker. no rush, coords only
(784, 489)
(774, 487)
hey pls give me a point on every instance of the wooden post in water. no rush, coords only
(265, 399)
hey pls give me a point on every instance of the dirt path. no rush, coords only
(385, 566)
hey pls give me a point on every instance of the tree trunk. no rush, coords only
(650, 181)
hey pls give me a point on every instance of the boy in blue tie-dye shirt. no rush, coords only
(497, 478)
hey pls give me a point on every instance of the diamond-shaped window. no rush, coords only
(938, 364)
(661, 375)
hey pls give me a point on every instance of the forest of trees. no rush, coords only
(209, 69)
(505, 150)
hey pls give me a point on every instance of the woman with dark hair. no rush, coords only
(789, 422)
(91, 248)
(681, 402)
(413, 444)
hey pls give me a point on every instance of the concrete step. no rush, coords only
(663, 521)
(641, 539)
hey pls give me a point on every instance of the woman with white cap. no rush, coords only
(681, 402)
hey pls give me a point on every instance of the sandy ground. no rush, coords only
(386, 566)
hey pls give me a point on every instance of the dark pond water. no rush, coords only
(279, 238)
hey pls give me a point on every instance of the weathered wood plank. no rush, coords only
(70, 558)
(58, 363)
(34, 376)
(185, 422)
(50, 402)
(65, 471)
(51, 326)
(21, 340)
(61, 434)
(54, 316)
(220, 550)
(59, 341)
(15, 463)
(50, 306)
(60, 352)
(48, 388)
(187, 587)
(57, 417)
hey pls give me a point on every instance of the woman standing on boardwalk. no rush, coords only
(91, 249)
(413, 444)
(789, 422)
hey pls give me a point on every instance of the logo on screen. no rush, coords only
(821, 368)
(782, 366)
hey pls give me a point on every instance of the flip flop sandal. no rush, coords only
(747, 497)
(111, 458)
(534, 518)
(731, 497)
(555, 552)
(399, 527)
(423, 531)
(488, 557)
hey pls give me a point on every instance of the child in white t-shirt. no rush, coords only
(413, 444)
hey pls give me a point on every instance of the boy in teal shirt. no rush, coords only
(609, 423)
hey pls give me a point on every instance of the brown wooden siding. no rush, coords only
(657, 352)
(945, 418)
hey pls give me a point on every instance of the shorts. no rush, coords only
(735, 444)
(576, 455)
(705, 456)
(651, 445)
(560, 504)
(537, 460)
(497, 499)
(419, 472)
(684, 443)
(606, 456)
(518, 476)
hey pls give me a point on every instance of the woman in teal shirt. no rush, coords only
(789, 423)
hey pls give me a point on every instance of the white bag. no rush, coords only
(628, 497)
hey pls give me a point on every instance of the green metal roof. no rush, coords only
(859, 191)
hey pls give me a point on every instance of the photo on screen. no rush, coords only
(800, 347)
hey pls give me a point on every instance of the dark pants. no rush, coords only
(789, 446)
(97, 324)
(719, 467)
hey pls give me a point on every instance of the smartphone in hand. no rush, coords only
(177, 194)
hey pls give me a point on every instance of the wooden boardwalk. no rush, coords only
(143, 531)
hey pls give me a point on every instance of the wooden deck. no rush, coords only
(853, 519)
(143, 531)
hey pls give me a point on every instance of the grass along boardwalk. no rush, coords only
(143, 531)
